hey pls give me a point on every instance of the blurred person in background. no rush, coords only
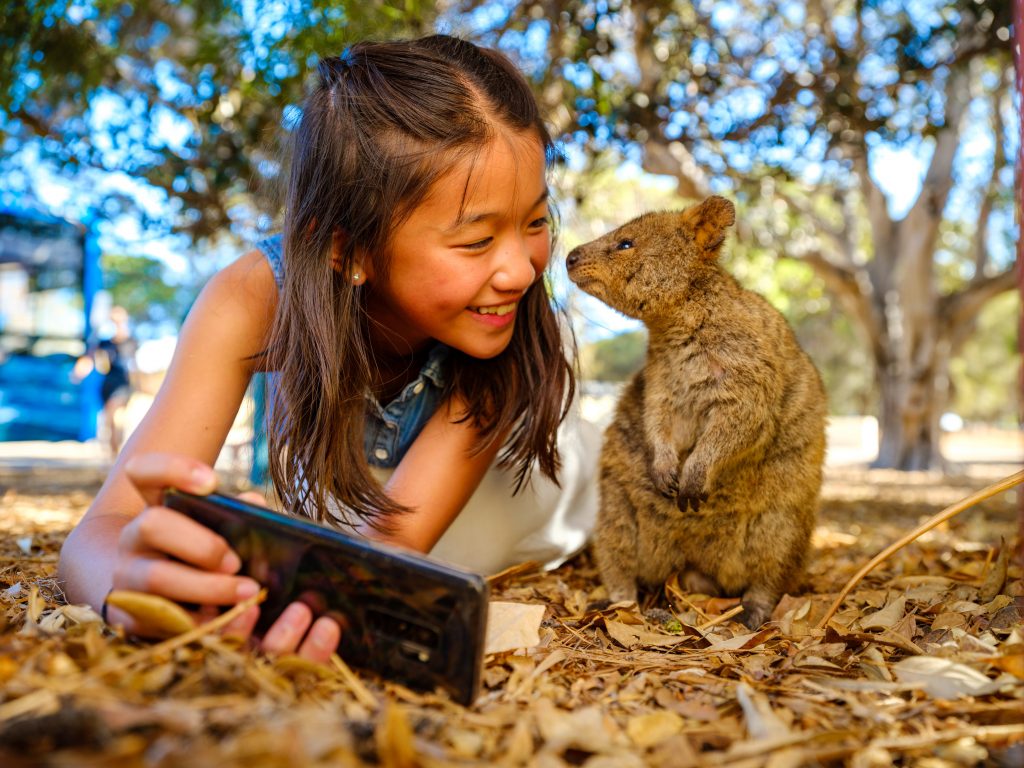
(113, 357)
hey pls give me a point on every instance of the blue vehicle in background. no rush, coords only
(49, 280)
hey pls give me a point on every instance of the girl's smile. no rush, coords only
(496, 316)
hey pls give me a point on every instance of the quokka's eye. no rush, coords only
(624, 245)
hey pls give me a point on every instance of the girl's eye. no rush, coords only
(477, 245)
(542, 222)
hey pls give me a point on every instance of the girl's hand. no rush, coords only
(292, 629)
(164, 552)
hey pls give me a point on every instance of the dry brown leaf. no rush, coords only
(80, 614)
(157, 613)
(694, 706)
(519, 744)
(512, 626)
(1010, 662)
(653, 728)
(636, 636)
(762, 722)
(201, 701)
(888, 616)
(942, 678)
(996, 576)
(36, 604)
(587, 728)
(743, 641)
(465, 743)
(949, 619)
(618, 759)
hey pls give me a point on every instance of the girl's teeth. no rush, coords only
(496, 310)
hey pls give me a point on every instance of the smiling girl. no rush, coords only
(418, 369)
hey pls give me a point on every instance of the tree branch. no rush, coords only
(836, 234)
(979, 247)
(961, 307)
(938, 179)
(845, 285)
(39, 126)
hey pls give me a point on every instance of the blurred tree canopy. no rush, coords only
(615, 358)
(137, 283)
(190, 96)
(785, 105)
(788, 107)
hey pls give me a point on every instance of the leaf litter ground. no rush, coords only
(922, 665)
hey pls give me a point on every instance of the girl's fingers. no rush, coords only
(292, 633)
(243, 624)
(289, 629)
(159, 529)
(152, 473)
(322, 640)
(182, 583)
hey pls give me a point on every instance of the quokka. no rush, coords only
(712, 464)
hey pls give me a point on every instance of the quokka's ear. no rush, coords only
(708, 221)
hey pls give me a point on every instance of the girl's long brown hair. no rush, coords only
(382, 124)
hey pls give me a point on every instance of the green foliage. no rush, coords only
(189, 96)
(758, 83)
(615, 358)
(985, 376)
(138, 284)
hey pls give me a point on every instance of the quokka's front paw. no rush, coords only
(691, 491)
(664, 472)
(690, 501)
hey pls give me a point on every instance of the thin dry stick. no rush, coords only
(719, 619)
(949, 512)
(355, 685)
(988, 562)
(519, 569)
(674, 591)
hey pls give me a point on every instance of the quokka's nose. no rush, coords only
(573, 257)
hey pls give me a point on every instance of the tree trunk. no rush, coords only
(911, 358)
(909, 412)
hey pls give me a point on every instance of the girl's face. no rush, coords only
(460, 263)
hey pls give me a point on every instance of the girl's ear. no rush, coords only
(360, 267)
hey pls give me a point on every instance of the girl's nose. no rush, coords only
(516, 271)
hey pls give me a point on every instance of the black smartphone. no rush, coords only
(408, 618)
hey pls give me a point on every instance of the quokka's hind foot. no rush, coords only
(757, 609)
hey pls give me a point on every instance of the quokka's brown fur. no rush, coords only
(712, 464)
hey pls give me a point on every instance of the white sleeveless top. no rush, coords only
(543, 522)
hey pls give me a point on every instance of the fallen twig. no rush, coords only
(949, 512)
(719, 619)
